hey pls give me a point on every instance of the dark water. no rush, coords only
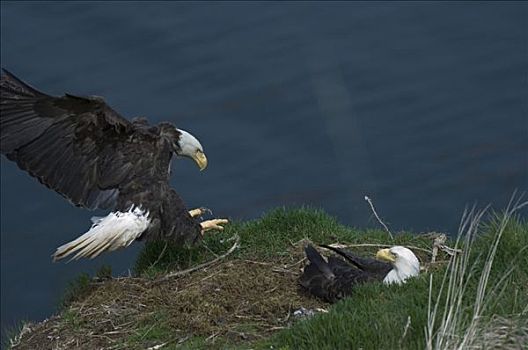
(421, 106)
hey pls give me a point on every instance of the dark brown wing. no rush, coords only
(366, 264)
(77, 146)
(336, 284)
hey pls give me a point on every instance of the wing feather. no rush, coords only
(366, 264)
(77, 146)
(335, 279)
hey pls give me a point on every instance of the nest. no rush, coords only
(234, 300)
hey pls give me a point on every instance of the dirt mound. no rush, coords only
(234, 301)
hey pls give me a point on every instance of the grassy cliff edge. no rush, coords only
(247, 299)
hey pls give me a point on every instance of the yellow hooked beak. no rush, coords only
(386, 255)
(200, 159)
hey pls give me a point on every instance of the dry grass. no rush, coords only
(246, 299)
(460, 328)
(502, 333)
(237, 301)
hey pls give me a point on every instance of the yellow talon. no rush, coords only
(199, 212)
(214, 224)
(196, 212)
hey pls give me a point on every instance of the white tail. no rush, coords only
(114, 231)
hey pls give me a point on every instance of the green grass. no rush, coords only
(72, 319)
(376, 316)
(487, 283)
(153, 328)
(82, 286)
(76, 290)
(272, 236)
(266, 238)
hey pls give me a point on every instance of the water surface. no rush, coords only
(422, 106)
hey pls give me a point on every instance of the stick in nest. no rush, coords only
(160, 256)
(367, 198)
(200, 266)
(377, 245)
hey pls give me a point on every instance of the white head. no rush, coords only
(189, 146)
(405, 264)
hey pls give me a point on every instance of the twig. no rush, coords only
(377, 216)
(439, 244)
(148, 331)
(156, 347)
(200, 266)
(296, 263)
(287, 316)
(376, 245)
(14, 342)
(272, 290)
(257, 262)
(438, 241)
(407, 326)
(212, 336)
(281, 270)
(184, 339)
(160, 256)
(159, 346)
(209, 249)
(207, 277)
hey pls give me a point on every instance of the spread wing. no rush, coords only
(77, 146)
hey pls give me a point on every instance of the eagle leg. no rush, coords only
(214, 224)
(199, 212)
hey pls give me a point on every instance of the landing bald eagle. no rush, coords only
(95, 158)
(335, 279)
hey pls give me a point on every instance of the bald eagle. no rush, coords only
(95, 158)
(335, 279)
